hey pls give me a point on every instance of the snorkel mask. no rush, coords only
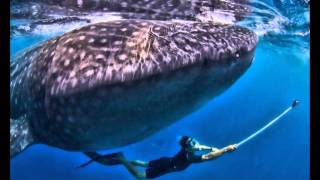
(193, 143)
(189, 143)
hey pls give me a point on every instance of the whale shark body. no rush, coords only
(111, 84)
(107, 85)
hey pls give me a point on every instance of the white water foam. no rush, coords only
(54, 29)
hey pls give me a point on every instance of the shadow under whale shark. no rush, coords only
(111, 84)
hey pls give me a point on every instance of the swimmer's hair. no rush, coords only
(183, 141)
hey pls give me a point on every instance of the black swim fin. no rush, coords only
(107, 159)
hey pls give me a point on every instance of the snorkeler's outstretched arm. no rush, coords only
(204, 147)
(215, 153)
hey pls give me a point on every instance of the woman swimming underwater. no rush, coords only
(184, 158)
(158, 167)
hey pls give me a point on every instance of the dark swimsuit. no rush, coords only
(165, 165)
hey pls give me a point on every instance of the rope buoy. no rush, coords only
(294, 104)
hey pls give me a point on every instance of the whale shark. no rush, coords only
(111, 84)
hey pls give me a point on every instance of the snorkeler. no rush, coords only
(158, 167)
(184, 158)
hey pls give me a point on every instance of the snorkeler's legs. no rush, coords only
(132, 169)
(108, 159)
(117, 158)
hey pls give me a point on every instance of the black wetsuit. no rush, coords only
(165, 165)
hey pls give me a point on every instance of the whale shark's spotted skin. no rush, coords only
(173, 9)
(112, 84)
(120, 51)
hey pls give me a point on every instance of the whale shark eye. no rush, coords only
(238, 53)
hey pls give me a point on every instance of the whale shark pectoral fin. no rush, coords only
(20, 135)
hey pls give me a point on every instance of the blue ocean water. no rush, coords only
(279, 74)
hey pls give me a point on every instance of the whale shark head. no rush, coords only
(130, 50)
(112, 84)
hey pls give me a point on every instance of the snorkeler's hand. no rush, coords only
(203, 147)
(231, 147)
(214, 149)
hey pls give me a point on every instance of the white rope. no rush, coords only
(264, 127)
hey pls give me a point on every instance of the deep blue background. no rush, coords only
(279, 74)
